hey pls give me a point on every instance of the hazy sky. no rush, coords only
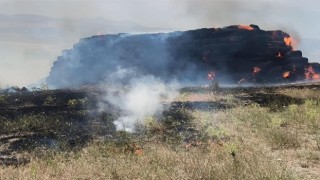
(34, 32)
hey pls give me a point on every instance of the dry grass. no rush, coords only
(208, 97)
(158, 161)
(305, 93)
(286, 133)
(244, 141)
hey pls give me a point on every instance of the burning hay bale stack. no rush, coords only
(233, 54)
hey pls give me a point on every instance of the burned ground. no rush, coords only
(277, 119)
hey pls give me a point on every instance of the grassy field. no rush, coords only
(208, 133)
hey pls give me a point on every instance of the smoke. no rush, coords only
(94, 59)
(141, 97)
(224, 12)
(33, 32)
(186, 56)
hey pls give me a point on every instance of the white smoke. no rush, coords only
(138, 98)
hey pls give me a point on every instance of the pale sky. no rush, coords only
(34, 32)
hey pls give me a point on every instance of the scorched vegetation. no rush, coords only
(207, 133)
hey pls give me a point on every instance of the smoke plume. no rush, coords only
(141, 97)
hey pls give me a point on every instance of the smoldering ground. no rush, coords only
(142, 96)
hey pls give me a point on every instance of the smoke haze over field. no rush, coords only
(34, 32)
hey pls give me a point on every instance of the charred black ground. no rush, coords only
(67, 120)
(234, 54)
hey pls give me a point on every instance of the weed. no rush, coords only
(282, 138)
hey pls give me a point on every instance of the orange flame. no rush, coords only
(311, 74)
(316, 76)
(245, 27)
(211, 75)
(286, 74)
(256, 70)
(290, 42)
